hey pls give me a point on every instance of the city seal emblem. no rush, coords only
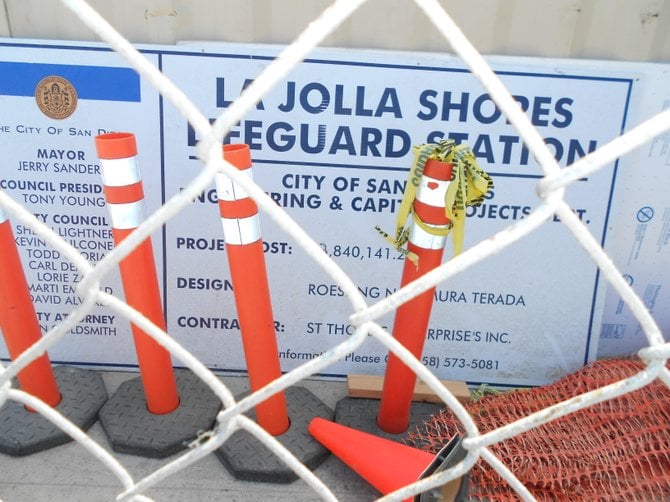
(56, 97)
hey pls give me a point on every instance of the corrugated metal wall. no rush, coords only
(634, 30)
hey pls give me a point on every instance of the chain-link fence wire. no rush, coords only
(550, 190)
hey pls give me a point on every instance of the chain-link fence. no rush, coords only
(550, 189)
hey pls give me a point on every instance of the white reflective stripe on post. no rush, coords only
(120, 172)
(3, 215)
(125, 216)
(228, 190)
(433, 194)
(419, 237)
(241, 231)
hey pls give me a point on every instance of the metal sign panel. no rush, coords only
(332, 145)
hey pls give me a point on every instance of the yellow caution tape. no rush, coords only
(468, 187)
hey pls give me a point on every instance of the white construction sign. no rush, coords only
(332, 145)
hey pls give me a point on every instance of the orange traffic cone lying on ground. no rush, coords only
(385, 464)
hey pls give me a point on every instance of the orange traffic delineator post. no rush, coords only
(18, 320)
(412, 318)
(242, 454)
(385, 464)
(76, 394)
(244, 248)
(125, 199)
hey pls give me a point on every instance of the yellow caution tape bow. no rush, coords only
(468, 187)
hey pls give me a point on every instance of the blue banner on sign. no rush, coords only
(91, 82)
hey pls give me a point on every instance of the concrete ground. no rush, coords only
(70, 473)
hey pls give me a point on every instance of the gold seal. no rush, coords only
(56, 97)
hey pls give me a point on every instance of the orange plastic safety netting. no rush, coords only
(615, 450)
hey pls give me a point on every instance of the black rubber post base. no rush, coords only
(361, 414)
(132, 428)
(23, 432)
(248, 459)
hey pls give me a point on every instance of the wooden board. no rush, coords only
(369, 386)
